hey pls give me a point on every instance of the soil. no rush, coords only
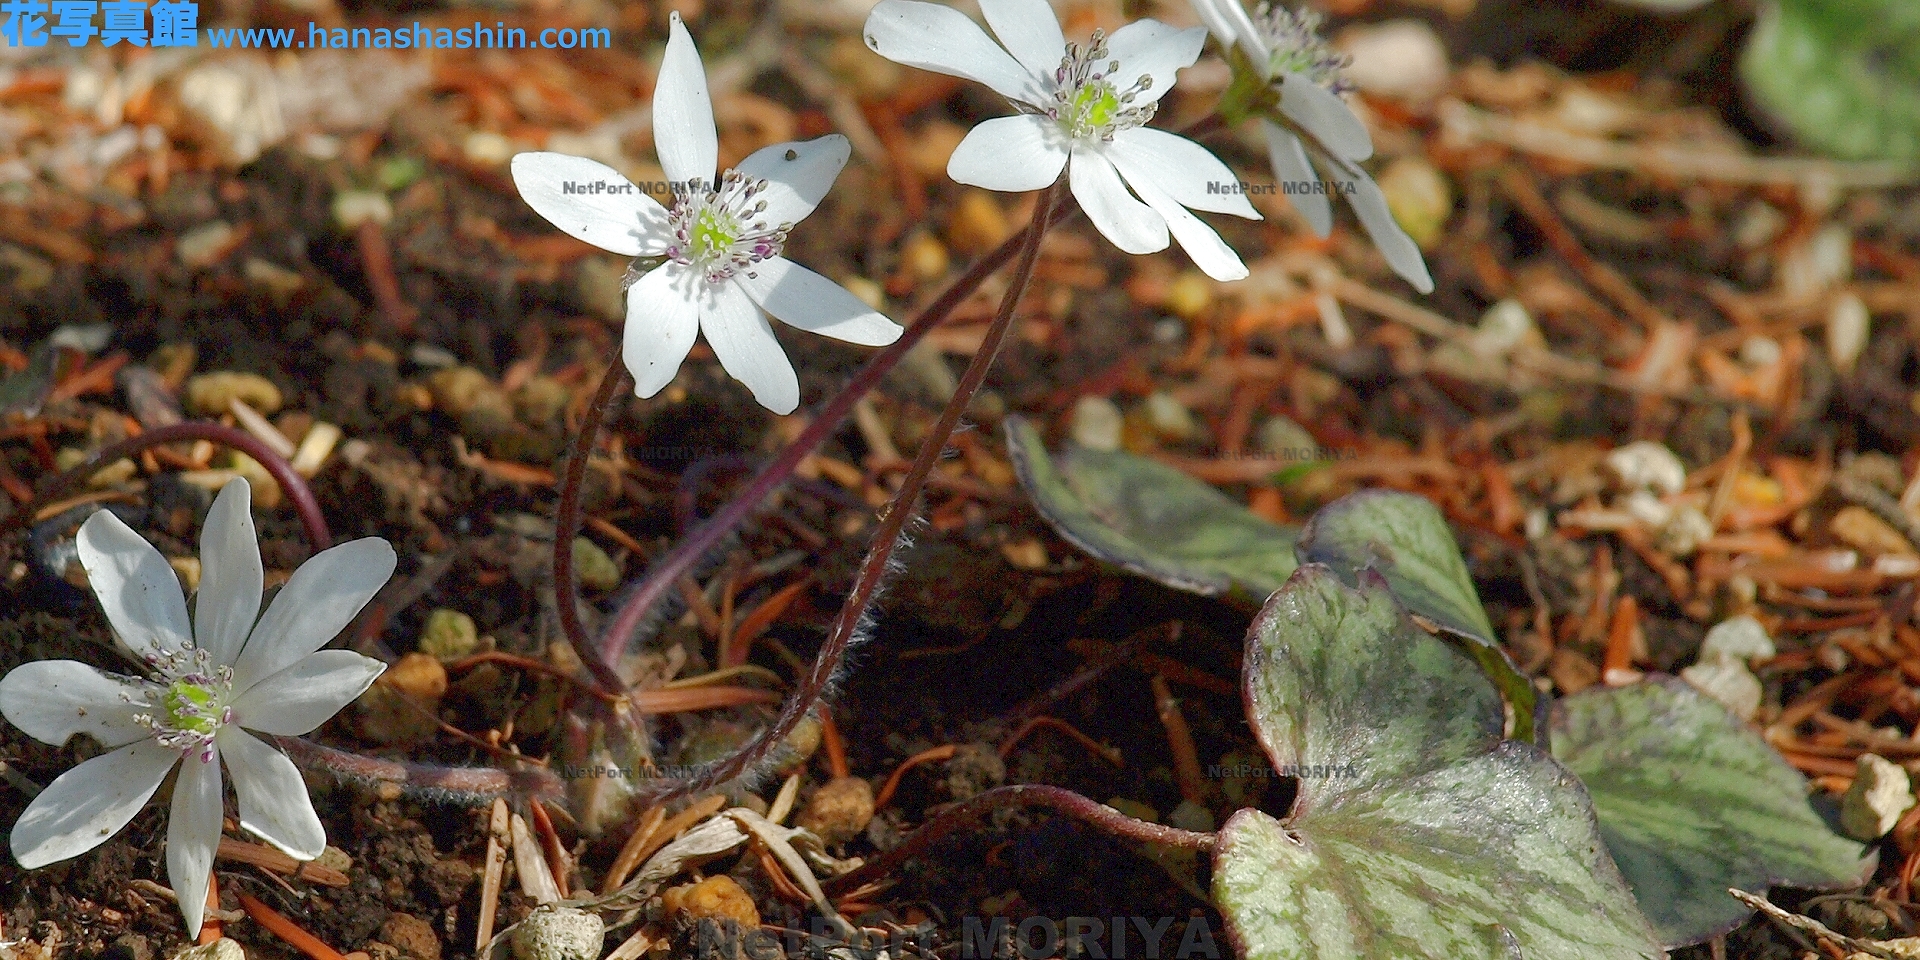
(969, 641)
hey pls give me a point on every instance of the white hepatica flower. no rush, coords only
(208, 680)
(1287, 52)
(722, 239)
(1081, 108)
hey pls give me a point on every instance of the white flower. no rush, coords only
(1081, 108)
(208, 680)
(721, 241)
(1286, 52)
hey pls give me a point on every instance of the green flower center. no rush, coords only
(189, 698)
(713, 234)
(719, 229)
(190, 708)
(1086, 102)
(1095, 105)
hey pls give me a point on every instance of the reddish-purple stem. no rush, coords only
(958, 815)
(867, 584)
(566, 524)
(703, 538)
(291, 483)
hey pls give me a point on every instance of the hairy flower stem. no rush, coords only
(893, 523)
(1099, 815)
(660, 580)
(566, 524)
(291, 483)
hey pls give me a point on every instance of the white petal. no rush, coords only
(1185, 170)
(231, 579)
(797, 175)
(683, 132)
(84, 806)
(302, 697)
(1292, 172)
(1152, 48)
(663, 317)
(317, 602)
(1010, 153)
(1210, 253)
(936, 37)
(274, 805)
(1321, 113)
(1229, 22)
(1125, 222)
(136, 587)
(193, 834)
(747, 348)
(603, 208)
(1029, 30)
(802, 298)
(51, 700)
(1402, 254)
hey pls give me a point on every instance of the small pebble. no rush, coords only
(224, 948)
(1169, 417)
(212, 394)
(449, 635)
(205, 245)
(1648, 465)
(979, 223)
(596, 570)
(1825, 259)
(1399, 58)
(717, 897)
(1847, 326)
(402, 706)
(1881, 792)
(541, 400)
(559, 933)
(1419, 197)
(279, 282)
(1684, 532)
(1737, 638)
(413, 936)
(1728, 681)
(1503, 327)
(1859, 528)
(839, 811)
(925, 257)
(1097, 424)
(487, 147)
(1189, 295)
(351, 208)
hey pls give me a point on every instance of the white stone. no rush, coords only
(1646, 465)
(1881, 792)
(559, 933)
(1096, 424)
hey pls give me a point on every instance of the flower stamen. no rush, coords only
(191, 694)
(716, 230)
(1297, 48)
(1086, 102)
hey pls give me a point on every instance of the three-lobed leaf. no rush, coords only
(1150, 519)
(1405, 539)
(1692, 802)
(1440, 840)
(1843, 74)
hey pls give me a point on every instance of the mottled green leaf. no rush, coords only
(1691, 802)
(1843, 74)
(1437, 839)
(1405, 539)
(1151, 519)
